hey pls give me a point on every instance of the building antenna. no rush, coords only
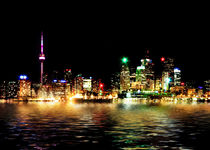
(41, 59)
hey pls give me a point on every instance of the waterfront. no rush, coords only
(117, 125)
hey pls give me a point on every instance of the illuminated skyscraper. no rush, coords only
(8, 89)
(207, 85)
(68, 75)
(168, 66)
(78, 84)
(115, 82)
(12, 89)
(68, 78)
(165, 81)
(157, 84)
(95, 85)
(87, 85)
(147, 72)
(140, 73)
(124, 76)
(24, 86)
(132, 74)
(42, 58)
(60, 88)
(3, 89)
(177, 77)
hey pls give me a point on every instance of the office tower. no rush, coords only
(140, 78)
(60, 88)
(87, 84)
(132, 75)
(78, 84)
(168, 66)
(68, 75)
(24, 86)
(147, 73)
(177, 77)
(42, 58)
(3, 88)
(207, 85)
(69, 79)
(157, 85)
(124, 76)
(95, 85)
(165, 81)
(115, 83)
(12, 89)
(200, 93)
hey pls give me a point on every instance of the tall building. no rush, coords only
(140, 75)
(115, 83)
(87, 84)
(165, 81)
(69, 79)
(60, 88)
(207, 85)
(124, 76)
(12, 89)
(147, 73)
(177, 77)
(9, 89)
(157, 84)
(68, 75)
(78, 84)
(140, 79)
(132, 75)
(168, 66)
(3, 89)
(24, 86)
(95, 86)
(42, 58)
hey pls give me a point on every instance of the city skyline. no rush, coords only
(100, 56)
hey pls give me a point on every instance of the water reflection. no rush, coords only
(62, 125)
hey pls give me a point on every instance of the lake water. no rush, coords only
(66, 125)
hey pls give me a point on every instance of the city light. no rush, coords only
(42, 57)
(147, 101)
(140, 67)
(101, 85)
(177, 70)
(133, 80)
(168, 80)
(23, 77)
(63, 81)
(124, 59)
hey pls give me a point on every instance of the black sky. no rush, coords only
(96, 43)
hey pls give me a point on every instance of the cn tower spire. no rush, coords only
(41, 42)
(42, 58)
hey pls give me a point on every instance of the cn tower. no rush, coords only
(42, 58)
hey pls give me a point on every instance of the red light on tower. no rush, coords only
(182, 84)
(101, 85)
(162, 59)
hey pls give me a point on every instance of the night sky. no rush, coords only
(95, 44)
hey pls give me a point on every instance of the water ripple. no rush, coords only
(103, 126)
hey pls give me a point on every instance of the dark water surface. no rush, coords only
(64, 125)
